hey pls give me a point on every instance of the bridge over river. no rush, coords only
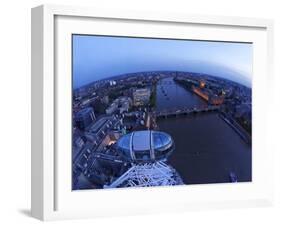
(185, 111)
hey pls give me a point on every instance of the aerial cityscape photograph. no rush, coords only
(160, 112)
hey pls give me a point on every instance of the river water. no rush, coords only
(207, 149)
(171, 96)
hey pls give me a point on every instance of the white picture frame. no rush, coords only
(52, 197)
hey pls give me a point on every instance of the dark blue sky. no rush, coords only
(98, 57)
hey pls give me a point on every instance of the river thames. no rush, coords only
(207, 148)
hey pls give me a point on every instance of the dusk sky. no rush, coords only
(99, 57)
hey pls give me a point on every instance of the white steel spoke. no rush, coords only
(147, 175)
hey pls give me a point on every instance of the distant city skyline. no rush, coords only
(101, 57)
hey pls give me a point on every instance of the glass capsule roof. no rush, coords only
(161, 140)
(141, 140)
(124, 142)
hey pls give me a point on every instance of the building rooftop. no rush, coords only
(99, 124)
(84, 111)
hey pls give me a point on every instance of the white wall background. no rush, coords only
(15, 111)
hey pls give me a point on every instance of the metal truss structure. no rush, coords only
(147, 175)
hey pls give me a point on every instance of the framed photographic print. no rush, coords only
(139, 112)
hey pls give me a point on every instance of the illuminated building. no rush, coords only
(216, 100)
(208, 96)
(200, 93)
(202, 84)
